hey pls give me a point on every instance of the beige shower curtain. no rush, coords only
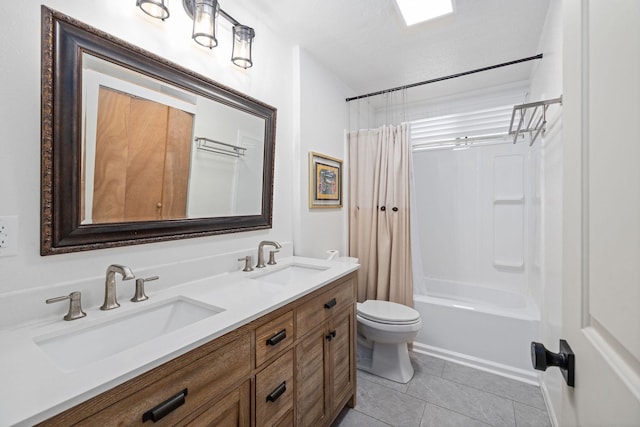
(379, 232)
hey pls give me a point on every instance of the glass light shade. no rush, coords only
(242, 40)
(154, 8)
(204, 23)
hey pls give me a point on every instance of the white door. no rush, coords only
(601, 218)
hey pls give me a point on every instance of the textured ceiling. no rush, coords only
(366, 44)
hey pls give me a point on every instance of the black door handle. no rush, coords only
(331, 335)
(541, 358)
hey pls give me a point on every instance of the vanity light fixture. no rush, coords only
(154, 8)
(204, 14)
(242, 38)
(204, 23)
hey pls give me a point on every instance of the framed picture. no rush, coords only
(325, 181)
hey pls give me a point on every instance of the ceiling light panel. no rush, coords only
(416, 11)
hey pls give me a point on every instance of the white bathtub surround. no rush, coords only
(50, 389)
(487, 328)
(379, 231)
(475, 211)
(474, 208)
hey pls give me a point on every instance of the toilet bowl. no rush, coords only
(384, 329)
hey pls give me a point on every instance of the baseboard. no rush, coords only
(477, 363)
(547, 401)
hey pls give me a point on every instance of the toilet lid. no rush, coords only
(387, 312)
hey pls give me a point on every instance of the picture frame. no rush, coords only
(325, 181)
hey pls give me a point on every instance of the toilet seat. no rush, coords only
(386, 312)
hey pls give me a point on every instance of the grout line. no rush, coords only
(459, 413)
(441, 376)
(494, 393)
(371, 416)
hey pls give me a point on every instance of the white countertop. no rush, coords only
(34, 388)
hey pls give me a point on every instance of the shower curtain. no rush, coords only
(379, 222)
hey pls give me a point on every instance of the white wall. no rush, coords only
(215, 179)
(472, 208)
(546, 82)
(27, 278)
(319, 127)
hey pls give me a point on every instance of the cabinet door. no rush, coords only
(232, 410)
(311, 379)
(341, 358)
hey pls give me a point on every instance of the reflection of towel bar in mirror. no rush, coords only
(537, 118)
(214, 146)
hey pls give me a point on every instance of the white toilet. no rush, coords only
(384, 329)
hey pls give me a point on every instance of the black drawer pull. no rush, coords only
(330, 304)
(160, 411)
(277, 337)
(275, 394)
(331, 335)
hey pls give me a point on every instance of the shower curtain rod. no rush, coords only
(452, 76)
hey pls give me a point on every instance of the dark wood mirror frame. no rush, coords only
(64, 39)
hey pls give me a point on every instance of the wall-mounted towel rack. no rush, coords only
(534, 114)
(214, 146)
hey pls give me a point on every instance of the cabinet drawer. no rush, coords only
(203, 379)
(274, 337)
(230, 410)
(274, 390)
(319, 309)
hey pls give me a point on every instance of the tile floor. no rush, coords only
(442, 394)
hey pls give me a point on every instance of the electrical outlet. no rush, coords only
(8, 235)
(4, 234)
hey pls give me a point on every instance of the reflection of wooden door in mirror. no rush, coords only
(142, 159)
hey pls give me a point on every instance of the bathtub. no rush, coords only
(489, 329)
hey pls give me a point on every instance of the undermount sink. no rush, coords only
(78, 348)
(289, 274)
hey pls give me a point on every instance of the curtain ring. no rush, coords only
(382, 208)
(395, 209)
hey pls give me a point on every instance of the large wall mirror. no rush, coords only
(136, 149)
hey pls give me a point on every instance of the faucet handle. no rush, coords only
(75, 307)
(139, 294)
(272, 257)
(248, 260)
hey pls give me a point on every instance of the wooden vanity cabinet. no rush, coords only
(325, 354)
(293, 366)
(210, 374)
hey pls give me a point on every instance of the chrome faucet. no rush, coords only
(260, 256)
(110, 300)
